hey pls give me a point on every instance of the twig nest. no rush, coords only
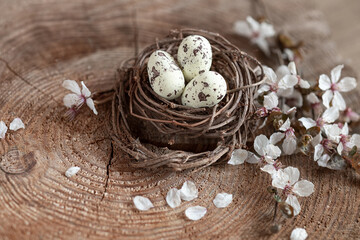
(157, 130)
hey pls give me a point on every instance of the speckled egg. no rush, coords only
(205, 90)
(165, 76)
(194, 56)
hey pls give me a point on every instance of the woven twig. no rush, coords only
(228, 123)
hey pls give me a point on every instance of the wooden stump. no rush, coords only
(43, 43)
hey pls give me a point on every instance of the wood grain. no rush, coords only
(44, 42)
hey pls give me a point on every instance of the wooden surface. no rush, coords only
(43, 42)
(343, 18)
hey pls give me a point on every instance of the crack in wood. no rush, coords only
(108, 171)
(7, 65)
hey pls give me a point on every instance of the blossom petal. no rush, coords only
(331, 115)
(340, 148)
(336, 73)
(288, 81)
(72, 86)
(307, 122)
(347, 84)
(142, 203)
(316, 140)
(292, 68)
(285, 92)
(333, 132)
(263, 88)
(312, 98)
(254, 25)
(304, 84)
(269, 168)
(298, 234)
(270, 74)
(3, 129)
(238, 156)
(242, 28)
(323, 160)
(252, 158)
(327, 97)
(280, 179)
(85, 91)
(303, 188)
(273, 151)
(72, 171)
(271, 100)
(71, 100)
(16, 124)
(173, 198)
(319, 149)
(286, 125)
(282, 71)
(289, 145)
(355, 139)
(276, 137)
(195, 213)
(91, 105)
(223, 200)
(260, 144)
(293, 201)
(266, 30)
(324, 82)
(338, 101)
(293, 174)
(345, 129)
(188, 191)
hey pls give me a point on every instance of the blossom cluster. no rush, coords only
(306, 117)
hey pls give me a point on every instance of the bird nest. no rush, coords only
(157, 132)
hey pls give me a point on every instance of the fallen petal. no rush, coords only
(3, 129)
(72, 171)
(195, 213)
(142, 203)
(173, 198)
(16, 124)
(298, 234)
(223, 200)
(188, 191)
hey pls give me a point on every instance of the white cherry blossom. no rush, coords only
(265, 148)
(289, 72)
(333, 87)
(289, 143)
(346, 141)
(330, 115)
(256, 32)
(288, 180)
(76, 99)
(322, 146)
(282, 86)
